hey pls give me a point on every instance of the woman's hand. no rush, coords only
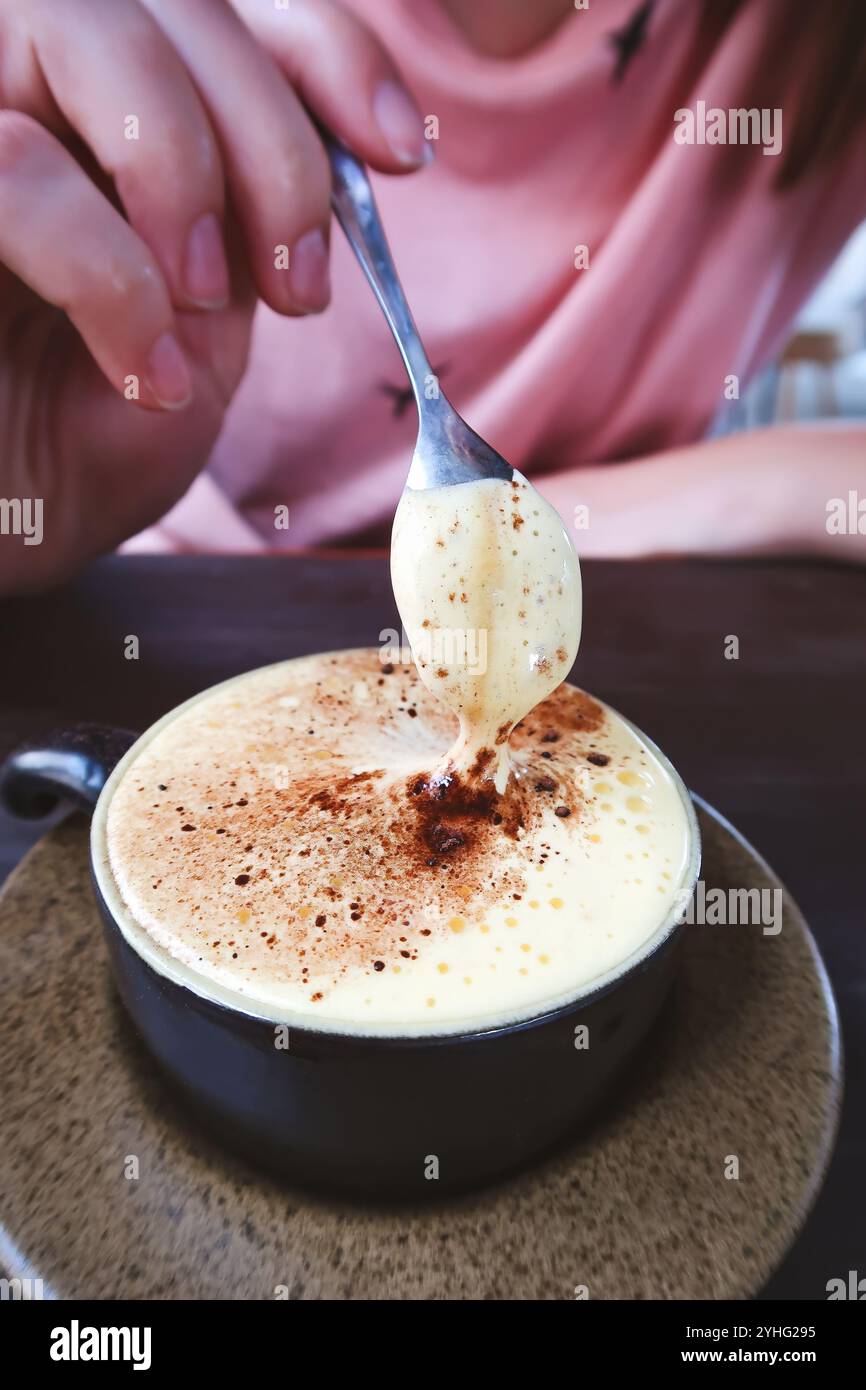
(158, 175)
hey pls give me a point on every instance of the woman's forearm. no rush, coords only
(783, 490)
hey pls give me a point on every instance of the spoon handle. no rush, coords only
(355, 208)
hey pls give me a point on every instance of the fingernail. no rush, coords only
(401, 123)
(206, 271)
(168, 374)
(309, 278)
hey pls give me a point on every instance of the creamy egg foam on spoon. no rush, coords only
(488, 588)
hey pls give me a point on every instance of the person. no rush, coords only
(588, 273)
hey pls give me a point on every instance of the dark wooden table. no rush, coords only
(775, 739)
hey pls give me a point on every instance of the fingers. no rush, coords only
(275, 166)
(64, 240)
(182, 107)
(345, 76)
(125, 91)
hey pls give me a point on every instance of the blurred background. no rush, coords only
(820, 372)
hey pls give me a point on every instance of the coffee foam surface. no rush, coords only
(278, 844)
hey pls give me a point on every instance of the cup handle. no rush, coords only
(71, 766)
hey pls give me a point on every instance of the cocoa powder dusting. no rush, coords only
(452, 814)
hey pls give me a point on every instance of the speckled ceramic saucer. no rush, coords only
(744, 1065)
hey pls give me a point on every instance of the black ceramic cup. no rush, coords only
(386, 1116)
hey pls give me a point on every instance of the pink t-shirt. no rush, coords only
(696, 267)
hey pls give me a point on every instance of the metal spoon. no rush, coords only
(447, 451)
